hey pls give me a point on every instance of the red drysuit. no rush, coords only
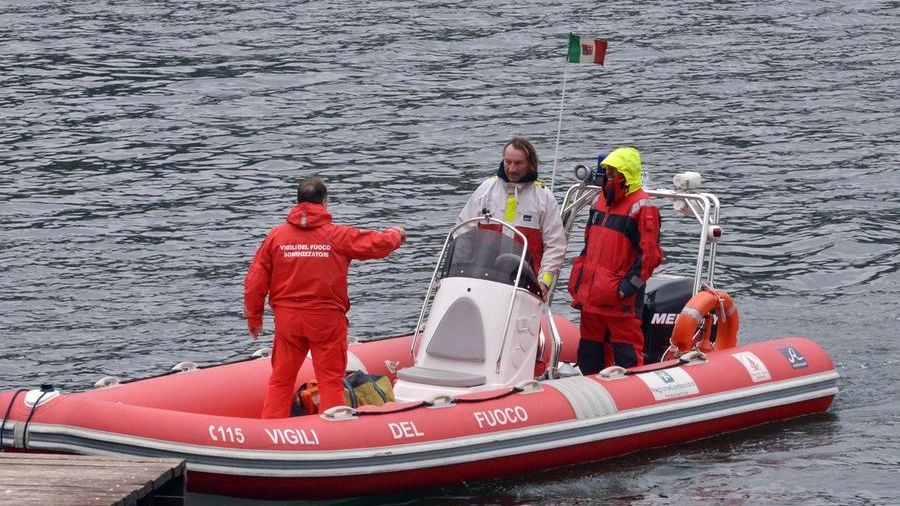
(607, 281)
(302, 267)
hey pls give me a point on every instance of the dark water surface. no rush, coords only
(147, 147)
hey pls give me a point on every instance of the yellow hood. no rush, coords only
(628, 162)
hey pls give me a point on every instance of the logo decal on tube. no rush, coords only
(754, 366)
(669, 384)
(793, 355)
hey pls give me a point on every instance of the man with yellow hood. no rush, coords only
(620, 253)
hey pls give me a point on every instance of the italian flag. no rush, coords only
(585, 50)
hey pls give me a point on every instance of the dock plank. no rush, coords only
(64, 480)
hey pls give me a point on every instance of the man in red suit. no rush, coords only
(302, 266)
(621, 251)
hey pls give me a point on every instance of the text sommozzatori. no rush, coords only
(305, 250)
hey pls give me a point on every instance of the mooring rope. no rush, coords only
(6, 415)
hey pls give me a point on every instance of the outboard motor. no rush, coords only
(665, 297)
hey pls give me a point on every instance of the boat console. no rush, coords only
(484, 306)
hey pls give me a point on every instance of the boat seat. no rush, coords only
(455, 355)
(460, 334)
(440, 377)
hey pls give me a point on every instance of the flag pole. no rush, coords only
(562, 100)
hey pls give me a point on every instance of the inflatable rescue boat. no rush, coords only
(485, 386)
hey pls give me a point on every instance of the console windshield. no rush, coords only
(484, 253)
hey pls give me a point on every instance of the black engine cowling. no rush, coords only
(665, 297)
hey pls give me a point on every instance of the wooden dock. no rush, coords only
(30, 479)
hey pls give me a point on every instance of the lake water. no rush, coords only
(148, 146)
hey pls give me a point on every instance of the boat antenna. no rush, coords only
(562, 101)
(580, 50)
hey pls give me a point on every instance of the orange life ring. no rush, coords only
(694, 324)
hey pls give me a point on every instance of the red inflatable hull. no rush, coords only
(209, 417)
